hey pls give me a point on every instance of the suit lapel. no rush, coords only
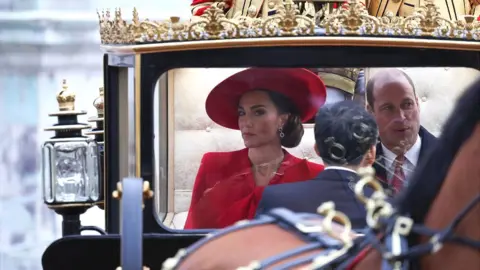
(380, 171)
(379, 164)
(428, 141)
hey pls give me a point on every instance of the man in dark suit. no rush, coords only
(345, 138)
(392, 99)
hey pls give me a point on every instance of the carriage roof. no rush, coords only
(350, 26)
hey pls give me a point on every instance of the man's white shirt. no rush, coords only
(411, 160)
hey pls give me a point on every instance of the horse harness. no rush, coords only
(395, 229)
(332, 250)
(388, 234)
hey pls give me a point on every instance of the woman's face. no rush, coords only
(259, 120)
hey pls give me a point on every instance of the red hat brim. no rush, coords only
(304, 88)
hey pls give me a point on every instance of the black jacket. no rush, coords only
(305, 197)
(428, 142)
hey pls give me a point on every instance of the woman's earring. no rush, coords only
(280, 132)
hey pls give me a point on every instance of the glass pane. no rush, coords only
(47, 175)
(93, 165)
(160, 145)
(71, 172)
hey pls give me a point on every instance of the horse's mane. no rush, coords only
(431, 171)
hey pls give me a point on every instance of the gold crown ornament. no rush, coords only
(66, 98)
(98, 103)
(351, 19)
(66, 109)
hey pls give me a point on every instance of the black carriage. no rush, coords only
(137, 53)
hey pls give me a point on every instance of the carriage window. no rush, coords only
(161, 123)
(206, 123)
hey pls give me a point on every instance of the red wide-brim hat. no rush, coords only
(304, 88)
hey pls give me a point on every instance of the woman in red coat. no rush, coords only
(268, 106)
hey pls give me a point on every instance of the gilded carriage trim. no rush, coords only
(295, 41)
(351, 19)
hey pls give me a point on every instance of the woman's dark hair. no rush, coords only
(293, 128)
(344, 132)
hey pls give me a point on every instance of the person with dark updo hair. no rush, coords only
(346, 135)
(268, 106)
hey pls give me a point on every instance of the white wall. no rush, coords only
(41, 43)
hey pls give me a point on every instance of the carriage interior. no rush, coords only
(194, 133)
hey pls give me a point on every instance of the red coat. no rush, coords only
(225, 192)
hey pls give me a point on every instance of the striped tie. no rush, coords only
(398, 178)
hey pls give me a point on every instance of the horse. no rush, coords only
(434, 223)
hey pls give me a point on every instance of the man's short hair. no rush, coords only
(371, 86)
(344, 132)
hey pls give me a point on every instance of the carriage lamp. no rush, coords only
(71, 165)
(97, 132)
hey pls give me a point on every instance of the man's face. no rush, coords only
(396, 111)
